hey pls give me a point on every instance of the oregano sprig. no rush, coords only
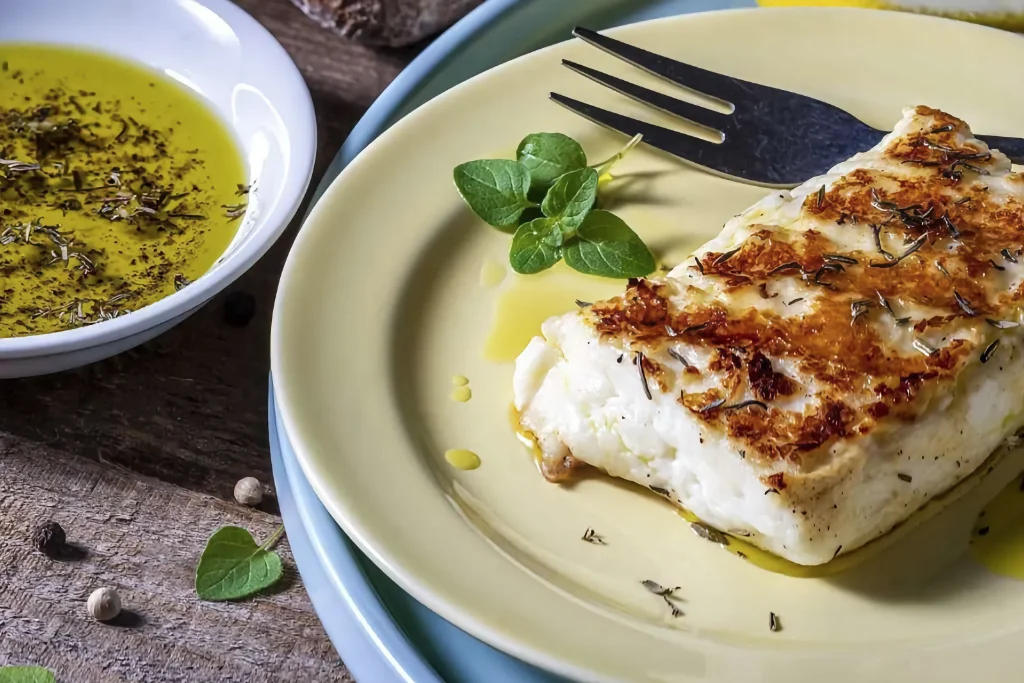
(592, 241)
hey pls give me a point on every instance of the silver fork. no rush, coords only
(771, 137)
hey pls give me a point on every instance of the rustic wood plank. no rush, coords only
(137, 457)
(142, 538)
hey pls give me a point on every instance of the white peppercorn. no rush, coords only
(104, 604)
(248, 491)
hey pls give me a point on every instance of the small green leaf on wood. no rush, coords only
(536, 246)
(495, 189)
(233, 566)
(548, 156)
(604, 245)
(571, 197)
(25, 674)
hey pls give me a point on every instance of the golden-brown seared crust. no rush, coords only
(943, 238)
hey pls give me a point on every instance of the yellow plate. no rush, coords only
(390, 291)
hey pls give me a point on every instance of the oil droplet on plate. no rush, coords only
(529, 300)
(997, 541)
(492, 273)
(778, 565)
(462, 459)
(462, 394)
(459, 380)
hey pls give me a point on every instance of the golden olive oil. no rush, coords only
(997, 540)
(117, 187)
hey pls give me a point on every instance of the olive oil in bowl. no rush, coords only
(118, 186)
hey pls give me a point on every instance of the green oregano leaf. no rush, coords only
(25, 674)
(548, 156)
(604, 245)
(233, 566)
(536, 246)
(571, 197)
(495, 189)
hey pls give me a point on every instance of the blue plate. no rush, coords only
(382, 634)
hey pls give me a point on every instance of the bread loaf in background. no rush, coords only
(386, 22)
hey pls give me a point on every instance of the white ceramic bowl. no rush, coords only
(246, 77)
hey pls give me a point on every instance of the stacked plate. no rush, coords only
(424, 572)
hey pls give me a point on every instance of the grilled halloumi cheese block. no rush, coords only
(838, 356)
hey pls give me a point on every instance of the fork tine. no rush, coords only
(723, 89)
(705, 118)
(709, 156)
(718, 159)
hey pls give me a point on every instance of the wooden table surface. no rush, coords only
(136, 457)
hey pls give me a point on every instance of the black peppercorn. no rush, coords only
(50, 539)
(239, 308)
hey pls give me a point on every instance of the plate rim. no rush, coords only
(406, 579)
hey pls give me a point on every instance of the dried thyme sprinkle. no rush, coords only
(839, 258)
(234, 210)
(712, 406)
(836, 553)
(942, 269)
(827, 268)
(700, 265)
(666, 594)
(772, 491)
(953, 231)
(746, 404)
(859, 308)
(964, 305)
(696, 328)
(888, 309)
(923, 347)
(796, 300)
(583, 304)
(242, 190)
(773, 622)
(989, 350)
(591, 536)
(639, 360)
(180, 282)
(911, 248)
(940, 129)
(792, 265)
(679, 357)
(962, 200)
(709, 534)
(15, 166)
(726, 256)
(996, 265)
(821, 196)
(1008, 256)
(1002, 324)
(945, 149)
(661, 491)
(904, 477)
(876, 230)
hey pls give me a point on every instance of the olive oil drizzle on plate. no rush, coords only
(997, 540)
(117, 188)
